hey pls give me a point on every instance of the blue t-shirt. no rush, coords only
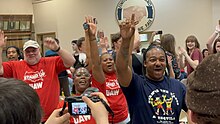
(49, 53)
(152, 102)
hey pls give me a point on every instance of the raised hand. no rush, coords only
(91, 27)
(169, 58)
(103, 43)
(55, 118)
(2, 38)
(154, 33)
(98, 110)
(50, 43)
(181, 51)
(217, 29)
(127, 28)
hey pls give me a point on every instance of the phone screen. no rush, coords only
(79, 108)
(85, 26)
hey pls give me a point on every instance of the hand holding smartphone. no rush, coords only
(86, 25)
(159, 32)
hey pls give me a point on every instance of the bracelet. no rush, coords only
(57, 49)
(216, 31)
(93, 39)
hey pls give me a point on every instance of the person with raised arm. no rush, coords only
(215, 37)
(192, 54)
(152, 97)
(104, 77)
(41, 73)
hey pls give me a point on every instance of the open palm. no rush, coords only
(92, 29)
(127, 28)
(92, 26)
(181, 50)
(2, 38)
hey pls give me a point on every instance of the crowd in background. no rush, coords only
(148, 85)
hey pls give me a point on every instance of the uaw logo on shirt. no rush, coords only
(143, 10)
(35, 78)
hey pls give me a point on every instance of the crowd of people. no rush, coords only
(139, 88)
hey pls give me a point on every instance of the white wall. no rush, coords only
(183, 18)
(45, 17)
(215, 12)
(65, 17)
(16, 7)
(75, 12)
(179, 17)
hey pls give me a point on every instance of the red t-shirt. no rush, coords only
(80, 119)
(42, 77)
(111, 89)
(196, 55)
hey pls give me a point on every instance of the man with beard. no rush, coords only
(152, 98)
(40, 73)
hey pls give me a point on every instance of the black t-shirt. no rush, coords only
(77, 63)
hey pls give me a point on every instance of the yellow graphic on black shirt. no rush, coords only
(159, 104)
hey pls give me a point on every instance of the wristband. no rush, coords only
(93, 39)
(57, 49)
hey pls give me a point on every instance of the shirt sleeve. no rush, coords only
(59, 64)
(8, 72)
(133, 87)
(196, 55)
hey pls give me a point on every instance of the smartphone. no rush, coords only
(159, 32)
(79, 108)
(95, 21)
(85, 26)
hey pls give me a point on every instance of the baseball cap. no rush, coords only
(30, 43)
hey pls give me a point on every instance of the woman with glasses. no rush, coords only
(82, 80)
